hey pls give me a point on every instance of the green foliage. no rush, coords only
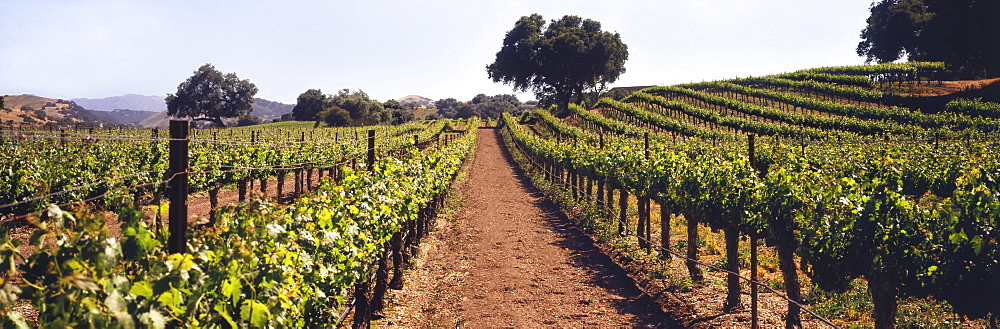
(398, 113)
(248, 120)
(308, 105)
(260, 265)
(913, 219)
(334, 116)
(364, 110)
(100, 169)
(560, 61)
(209, 95)
(974, 107)
(960, 33)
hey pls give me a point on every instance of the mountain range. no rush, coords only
(129, 109)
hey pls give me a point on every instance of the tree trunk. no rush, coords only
(381, 284)
(362, 306)
(692, 250)
(786, 262)
(242, 186)
(600, 194)
(884, 298)
(397, 259)
(732, 264)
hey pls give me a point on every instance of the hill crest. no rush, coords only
(423, 101)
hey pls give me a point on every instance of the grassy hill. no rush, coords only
(423, 101)
(35, 110)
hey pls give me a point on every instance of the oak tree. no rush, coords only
(211, 96)
(559, 61)
(961, 33)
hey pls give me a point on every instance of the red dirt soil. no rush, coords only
(511, 259)
(944, 87)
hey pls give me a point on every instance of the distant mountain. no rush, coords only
(262, 108)
(36, 110)
(125, 102)
(125, 117)
(268, 110)
(423, 101)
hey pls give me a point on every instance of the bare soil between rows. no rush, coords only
(509, 258)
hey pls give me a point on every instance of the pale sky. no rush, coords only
(390, 49)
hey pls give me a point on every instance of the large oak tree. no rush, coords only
(211, 96)
(560, 61)
(965, 34)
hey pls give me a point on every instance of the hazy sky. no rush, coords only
(389, 49)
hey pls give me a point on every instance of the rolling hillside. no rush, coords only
(423, 101)
(36, 110)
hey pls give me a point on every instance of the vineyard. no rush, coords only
(816, 165)
(814, 185)
(302, 261)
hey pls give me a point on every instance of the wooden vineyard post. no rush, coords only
(622, 212)
(665, 231)
(754, 315)
(309, 178)
(280, 184)
(692, 248)
(178, 186)
(643, 205)
(371, 149)
(213, 201)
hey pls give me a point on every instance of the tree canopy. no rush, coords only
(481, 106)
(210, 95)
(560, 61)
(364, 110)
(308, 105)
(965, 34)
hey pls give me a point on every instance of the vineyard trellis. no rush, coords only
(402, 193)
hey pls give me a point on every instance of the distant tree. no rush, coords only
(209, 95)
(248, 120)
(27, 108)
(466, 110)
(492, 106)
(398, 113)
(560, 61)
(334, 116)
(1, 103)
(308, 105)
(363, 109)
(447, 108)
(961, 33)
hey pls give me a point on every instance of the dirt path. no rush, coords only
(510, 259)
